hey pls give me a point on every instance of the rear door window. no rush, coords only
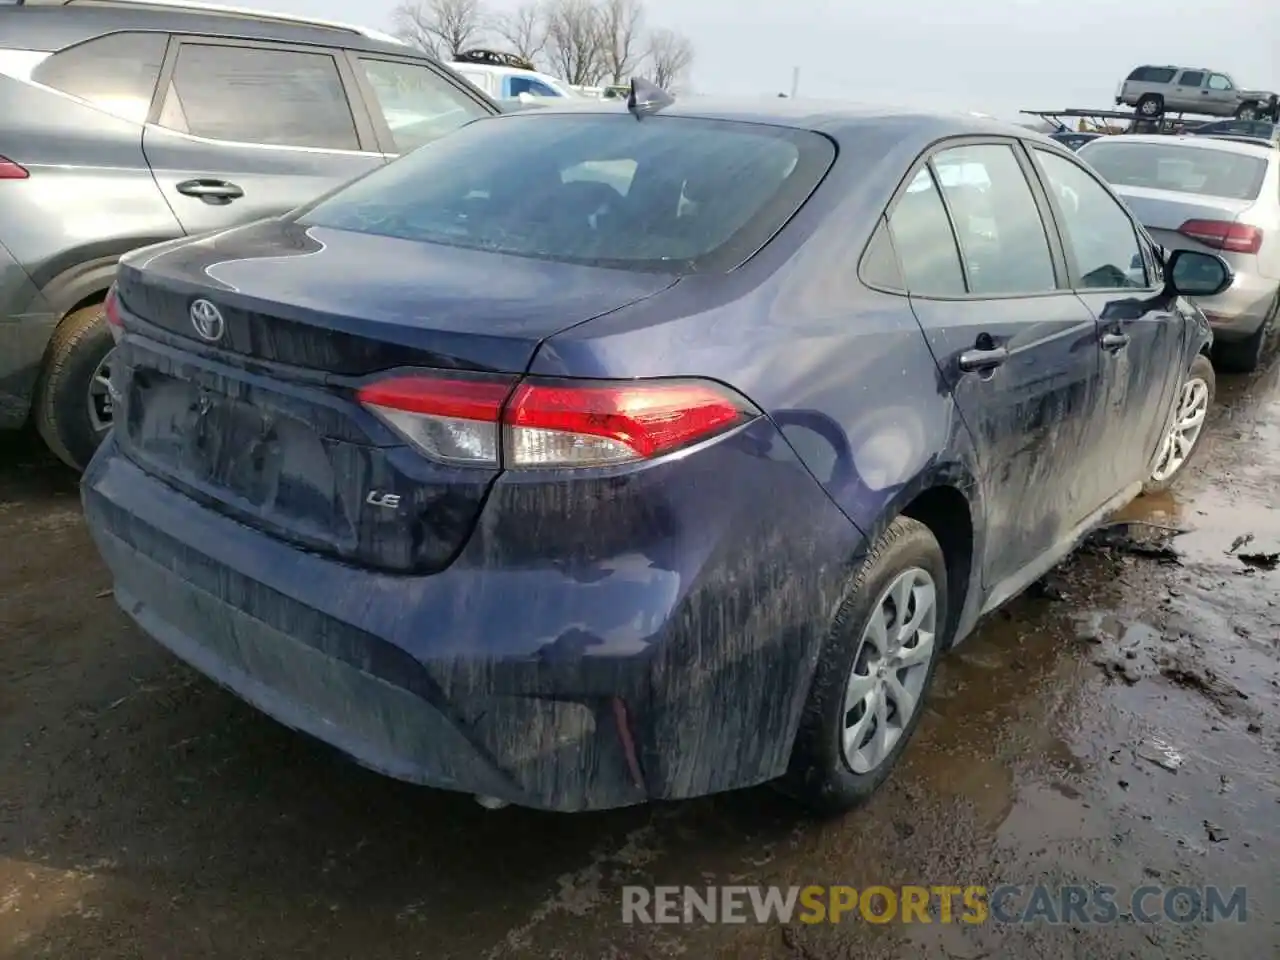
(669, 194)
(263, 95)
(926, 246)
(1002, 235)
(418, 104)
(117, 72)
(1191, 78)
(880, 263)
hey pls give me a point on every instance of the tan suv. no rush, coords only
(1153, 91)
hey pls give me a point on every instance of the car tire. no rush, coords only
(1247, 111)
(820, 775)
(1194, 399)
(1151, 105)
(1243, 356)
(75, 353)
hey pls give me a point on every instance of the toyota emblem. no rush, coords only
(207, 320)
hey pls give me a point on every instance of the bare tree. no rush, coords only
(410, 23)
(670, 57)
(524, 29)
(620, 37)
(444, 27)
(573, 39)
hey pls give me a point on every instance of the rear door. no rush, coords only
(1141, 335)
(1015, 347)
(412, 103)
(242, 130)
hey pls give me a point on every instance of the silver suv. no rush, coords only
(1153, 91)
(126, 124)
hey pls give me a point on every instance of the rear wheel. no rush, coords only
(73, 408)
(1245, 356)
(869, 689)
(1151, 105)
(1186, 426)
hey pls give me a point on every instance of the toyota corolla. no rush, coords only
(594, 456)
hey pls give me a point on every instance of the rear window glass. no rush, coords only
(671, 194)
(1214, 173)
(1244, 128)
(1152, 74)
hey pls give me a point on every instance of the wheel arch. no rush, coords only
(81, 275)
(81, 285)
(945, 497)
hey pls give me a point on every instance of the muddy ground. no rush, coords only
(1118, 727)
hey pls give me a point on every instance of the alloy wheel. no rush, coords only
(891, 666)
(1184, 429)
(100, 400)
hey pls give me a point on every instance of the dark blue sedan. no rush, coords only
(585, 458)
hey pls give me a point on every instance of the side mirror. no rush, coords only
(1191, 273)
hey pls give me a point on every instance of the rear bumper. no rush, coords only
(1237, 312)
(543, 686)
(26, 323)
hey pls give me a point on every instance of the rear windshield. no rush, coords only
(1214, 173)
(671, 194)
(1244, 128)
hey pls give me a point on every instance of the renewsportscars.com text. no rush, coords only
(1007, 903)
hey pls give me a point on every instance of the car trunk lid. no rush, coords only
(1166, 214)
(256, 415)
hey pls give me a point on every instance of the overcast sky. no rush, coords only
(996, 56)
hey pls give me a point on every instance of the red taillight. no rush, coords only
(111, 307)
(12, 171)
(447, 398)
(551, 423)
(590, 425)
(1224, 235)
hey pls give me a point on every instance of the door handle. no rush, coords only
(217, 192)
(982, 361)
(1114, 342)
